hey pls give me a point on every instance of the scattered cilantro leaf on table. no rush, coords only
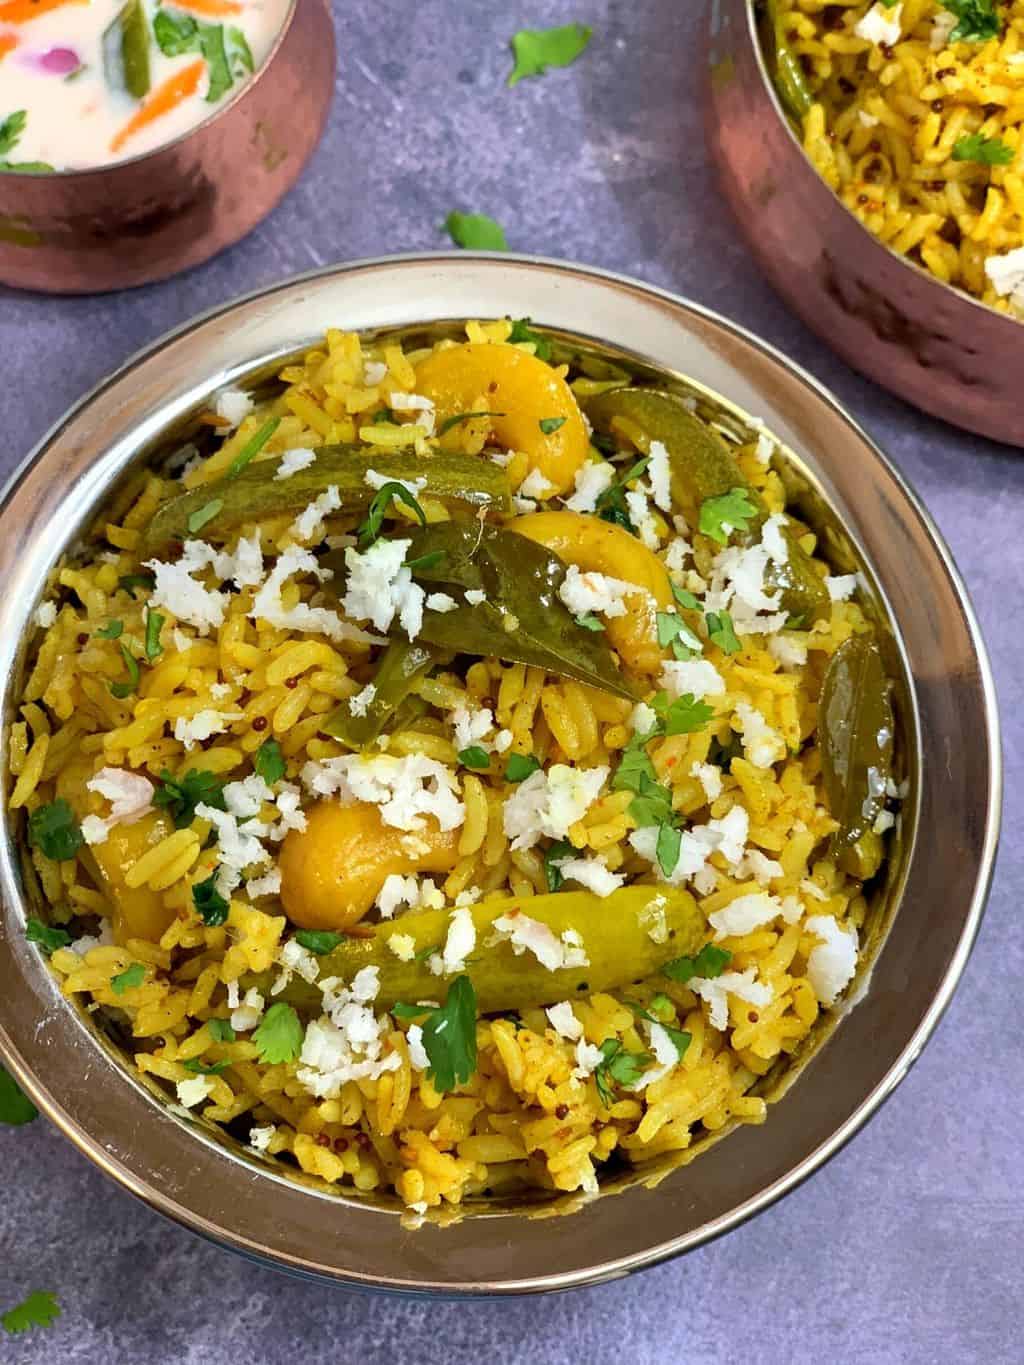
(15, 1107)
(39, 1309)
(475, 231)
(536, 49)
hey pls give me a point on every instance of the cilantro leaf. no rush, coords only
(175, 33)
(128, 979)
(673, 631)
(239, 53)
(684, 716)
(45, 936)
(667, 848)
(520, 766)
(15, 1108)
(252, 447)
(475, 757)
(552, 857)
(54, 830)
(978, 20)
(611, 504)
(210, 905)
(458, 417)
(130, 581)
(205, 1068)
(548, 425)
(652, 803)
(154, 625)
(220, 1030)
(522, 331)
(111, 631)
(728, 512)
(11, 129)
(589, 621)
(986, 151)
(685, 599)
(635, 767)
(449, 1035)
(721, 632)
(537, 49)
(269, 762)
(211, 45)
(709, 962)
(181, 795)
(475, 231)
(380, 507)
(198, 519)
(618, 1066)
(279, 1036)
(681, 1040)
(40, 1309)
(125, 689)
(319, 941)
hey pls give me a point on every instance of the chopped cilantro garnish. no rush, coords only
(520, 766)
(125, 689)
(15, 1108)
(475, 231)
(239, 54)
(681, 1040)
(111, 631)
(685, 599)
(319, 941)
(128, 979)
(54, 830)
(210, 905)
(454, 421)
(684, 716)
(179, 33)
(130, 581)
(709, 962)
(556, 854)
(40, 1309)
(11, 129)
(673, 631)
(198, 519)
(719, 517)
(449, 1035)
(535, 50)
(978, 20)
(181, 795)
(611, 504)
(986, 151)
(154, 625)
(380, 507)
(549, 425)
(205, 1068)
(589, 621)
(279, 1036)
(474, 757)
(522, 331)
(220, 1030)
(252, 447)
(667, 849)
(722, 633)
(618, 1066)
(269, 762)
(47, 938)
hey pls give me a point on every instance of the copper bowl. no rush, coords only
(922, 923)
(143, 219)
(935, 346)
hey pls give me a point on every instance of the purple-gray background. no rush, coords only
(907, 1247)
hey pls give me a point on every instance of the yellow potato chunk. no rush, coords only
(524, 390)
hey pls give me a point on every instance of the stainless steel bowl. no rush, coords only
(939, 873)
(933, 345)
(83, 232)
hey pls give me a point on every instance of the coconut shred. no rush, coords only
(84, 83)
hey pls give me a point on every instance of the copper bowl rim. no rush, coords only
(183, 1171)
(181, 138)
(958, 296)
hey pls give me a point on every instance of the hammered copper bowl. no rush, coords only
(140, 220)
(922, 921)
(938, 348)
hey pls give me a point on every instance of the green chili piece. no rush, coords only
(256, 493)
(787, 73)
(704, 467)
(401, 665)
(126, 44)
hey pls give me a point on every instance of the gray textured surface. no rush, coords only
(906, 1247)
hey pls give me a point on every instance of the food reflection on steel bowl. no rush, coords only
(935, 346)
(869, 522)
(153, 215)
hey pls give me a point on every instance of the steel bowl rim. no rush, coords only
(972, 914)
(956, 295)
(215, 117)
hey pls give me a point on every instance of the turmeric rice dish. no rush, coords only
(455, 774)
(912, 112)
